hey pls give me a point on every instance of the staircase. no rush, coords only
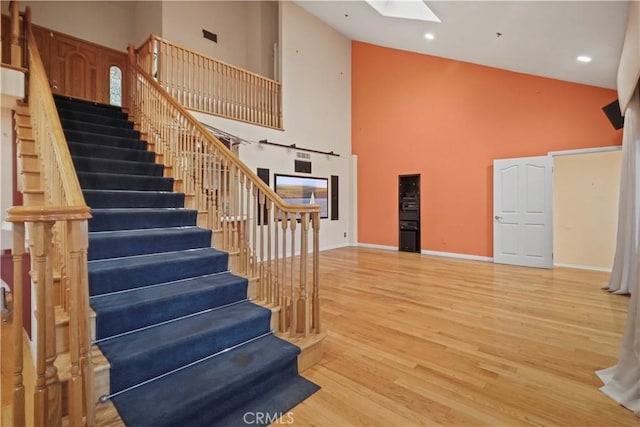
(185, 344)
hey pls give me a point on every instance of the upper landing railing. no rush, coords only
(205, 84)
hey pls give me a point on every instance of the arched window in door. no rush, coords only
(115, 86)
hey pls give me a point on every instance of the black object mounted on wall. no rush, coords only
(210, 36)
(302, 166)
(614, 115)
(409, 212)
(263, 174)
(334, 198)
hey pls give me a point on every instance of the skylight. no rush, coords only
(407, 9)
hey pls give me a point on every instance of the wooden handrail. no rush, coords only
(39, 84)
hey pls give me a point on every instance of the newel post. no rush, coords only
(16, 49)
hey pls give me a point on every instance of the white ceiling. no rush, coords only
(538, 37)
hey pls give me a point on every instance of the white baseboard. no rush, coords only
(583, 267)
(433, 253)
(372, 246)
(460, 256)
(338, 246)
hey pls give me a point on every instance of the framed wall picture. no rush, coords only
(304, 190)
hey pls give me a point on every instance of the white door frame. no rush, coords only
(553, 154)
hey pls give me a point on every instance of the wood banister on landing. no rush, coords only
(202, 83)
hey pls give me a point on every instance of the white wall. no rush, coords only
(148, 20)
(243, 28)
(262, 17)
(108, 23)
(183, 22)
(316, 76)
(316, 72)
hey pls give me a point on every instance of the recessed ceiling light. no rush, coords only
(429, 36)
(583, 58)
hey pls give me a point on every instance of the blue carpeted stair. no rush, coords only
(186, 346)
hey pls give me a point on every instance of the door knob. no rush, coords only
(54, 84)
(498, 218)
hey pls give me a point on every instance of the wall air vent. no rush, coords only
(210, 36)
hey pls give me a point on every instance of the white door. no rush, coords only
(522, 211)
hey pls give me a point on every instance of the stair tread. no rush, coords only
(131, 346)
(139, 296)
(147, 353)
(121, 243)
(221, 379)
(144, 270)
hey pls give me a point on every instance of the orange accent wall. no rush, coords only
(448, 120)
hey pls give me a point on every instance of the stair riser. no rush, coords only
(97, 128)
(96, 181)
(27, 146)
(30, 180)
(96, 119)
(134, 200)
(86, 108)
(113, 153)
(105, 246)
(111, 141)
(92, 164)
(110, 279)
(145, 314)
(29, 161)
(105, 221)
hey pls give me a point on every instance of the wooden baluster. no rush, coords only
(303, 303)
(293, 329)
(284, 300)
(316, 271)
(47, 399)
(236, 186)
(276, 258)
(261, 273)
(269, 283)
(254, 243)
(247, 227)
(17, 400)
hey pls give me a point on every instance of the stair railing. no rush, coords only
(53, 227)
(267, 238)
(202, 83)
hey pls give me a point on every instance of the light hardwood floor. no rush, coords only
(418, 340)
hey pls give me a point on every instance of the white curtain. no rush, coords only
(625, 264)
(622, 381)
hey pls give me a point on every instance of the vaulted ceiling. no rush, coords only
(535, 37)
